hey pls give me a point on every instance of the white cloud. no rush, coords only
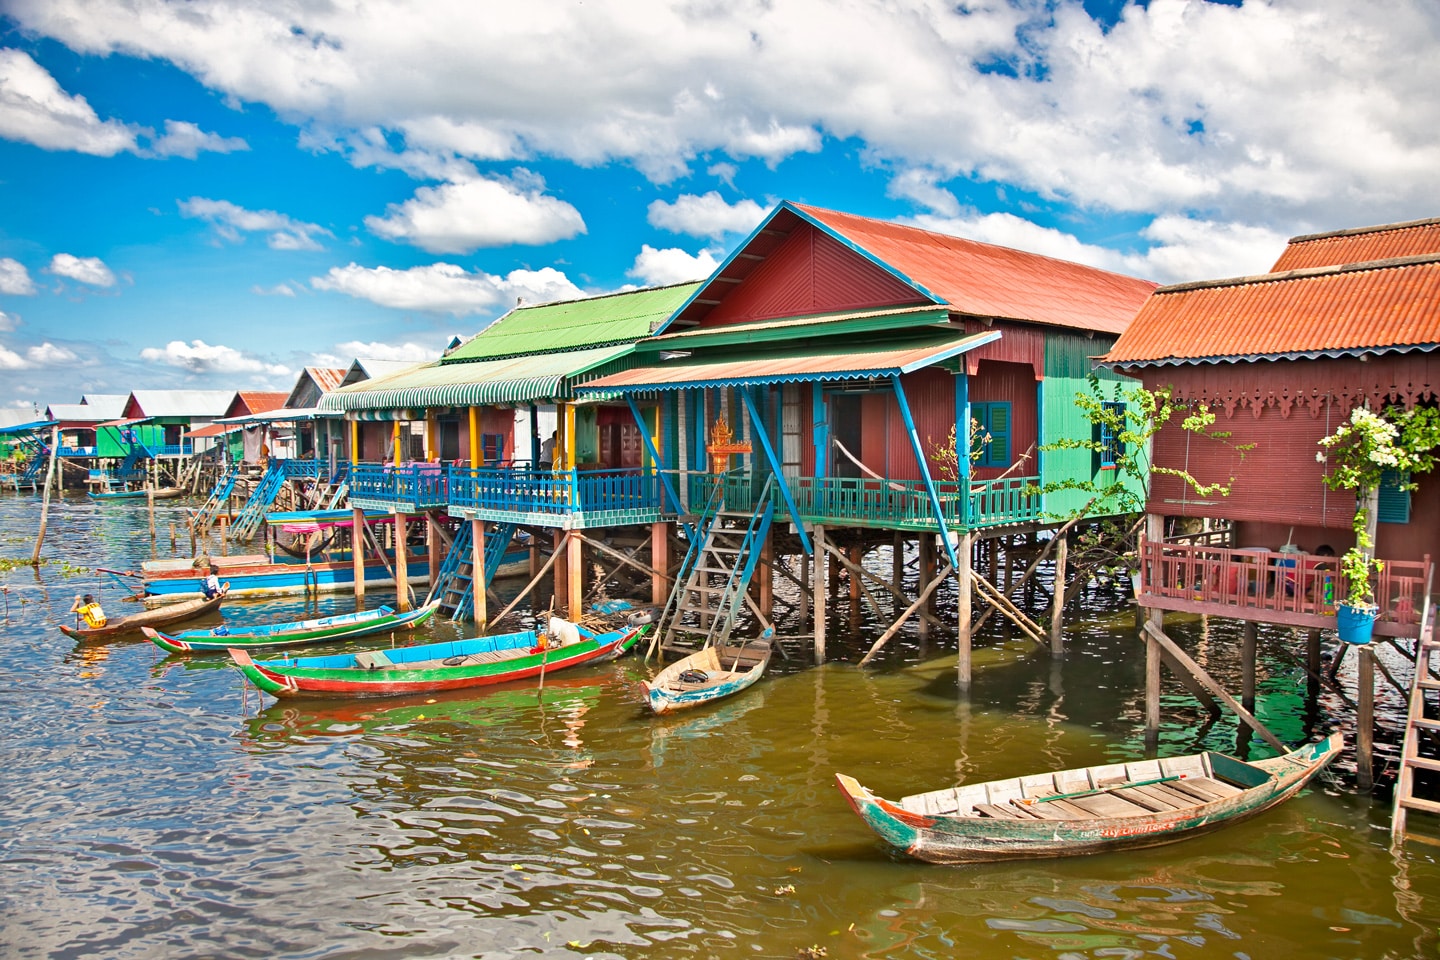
(705, 216)
(14, 278)
(407, 352)
(672, 265)
(231, 221)
(279, 290)
(445, 287)
(465, 216)
(184, 139)
(10, 360)
(48, 355)
(34, 109)
(87, 270)
(1172, 111)
(8, 322)
(197, 356)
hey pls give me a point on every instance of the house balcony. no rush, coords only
(407, 488)
(1293, 589)
(171, 449)
(905, 504)
(77, 452)
(571, 499)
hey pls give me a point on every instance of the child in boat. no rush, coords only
(210, 586)
(89, 611)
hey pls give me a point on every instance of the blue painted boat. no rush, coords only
(345, 626)
(256, 575)
(707, 675)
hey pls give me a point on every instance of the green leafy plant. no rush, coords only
(1359, 453)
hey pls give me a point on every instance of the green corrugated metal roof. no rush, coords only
(835, 323)
(615, 318)
(529, 379)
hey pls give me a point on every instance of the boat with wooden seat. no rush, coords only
(707, 675)
(432, 667)
(1088, 809)
(153, 617)
(345, 626)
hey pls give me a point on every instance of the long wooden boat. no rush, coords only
(345, 626)
(1089, 809)
(432, 667)
(164, 493)
(707, 675)
(155, 617)
(256, 575)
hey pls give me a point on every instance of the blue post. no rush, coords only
(670, 490)
(925, 470)
(821, 437)
(759, 425)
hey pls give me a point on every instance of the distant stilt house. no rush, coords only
(813, 382)
(78, 422)
(1344, 319)
(486, 443)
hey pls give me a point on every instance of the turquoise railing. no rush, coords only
(997, 502)
(420, 486)
(524, 489)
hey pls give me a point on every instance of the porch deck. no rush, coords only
(1293, 589)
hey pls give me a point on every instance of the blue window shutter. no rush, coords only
(1394, 502)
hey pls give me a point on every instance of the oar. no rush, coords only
(1097, 790)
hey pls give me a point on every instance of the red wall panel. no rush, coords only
(999, 381)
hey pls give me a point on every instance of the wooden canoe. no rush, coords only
(432, 667)
(154, 617)
(707, 675)
(164, 493)
(344, 626)
(1089, 809)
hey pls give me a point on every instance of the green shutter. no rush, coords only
(1394, 502)
(999, 452)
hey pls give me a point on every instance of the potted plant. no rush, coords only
(1360, 452)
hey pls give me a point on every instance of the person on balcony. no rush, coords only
(547, 450)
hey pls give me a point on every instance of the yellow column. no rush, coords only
(354, 442)
(474, 438)
(432, 445)
(568, 436)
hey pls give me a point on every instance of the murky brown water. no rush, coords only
(153, 808)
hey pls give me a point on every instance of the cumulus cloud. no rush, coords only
(87, 270)
(1168, 111)
(197, 356)
(10, 360)
(406, 352)
(184, 139)
(34, 109)
(8, 322)
(14, 278)
(231, 222)
(445, 287)
(705, 216)
(47, 355)
(672, 265)
(465, 216)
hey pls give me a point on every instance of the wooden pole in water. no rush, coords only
(820, 593)
(45, 498)
(659, 563)
(1057, 601)
(357, 551)
(1154, 617)
(477, 573)
(1365, 720)
(402, 563)
(150, 503)
(575, 599)
(963, 611)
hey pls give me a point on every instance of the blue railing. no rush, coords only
(421, 486)
(77, 451)
(525, 489)
(171, 449)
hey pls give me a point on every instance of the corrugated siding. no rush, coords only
(1349, 310)
(931, 394)
(1067, 368)
(1016, 384)
(811, 272)
(1402, 240)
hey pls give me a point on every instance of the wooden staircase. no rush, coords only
(1421, 749)
(711, 586)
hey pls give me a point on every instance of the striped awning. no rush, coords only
(758, 369)
(514, 380)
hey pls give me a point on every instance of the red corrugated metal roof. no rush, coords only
(326, 378)
(788, 365)
(1382, 305)
(992, 281)
(259, 402)
(1410, 239)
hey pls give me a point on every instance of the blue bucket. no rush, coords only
(1355, 624)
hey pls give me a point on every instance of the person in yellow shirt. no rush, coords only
(89, 611)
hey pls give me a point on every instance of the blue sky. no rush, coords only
(215, 193)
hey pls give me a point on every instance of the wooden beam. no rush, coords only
(555, 555)
(895, 627)
(1057, 599)
(1198, 672)
(1007, 608)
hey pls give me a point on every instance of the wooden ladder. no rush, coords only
(1421, 750)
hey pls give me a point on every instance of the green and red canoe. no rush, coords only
(434, 667)
(1089, 809)
(345, 626)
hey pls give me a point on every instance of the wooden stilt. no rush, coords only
(897, 564)
(1365, 720)
(478, 595)
(821, 583)
(1312, 664)
(1057, 599)
(559, 556)
(808, 588)
(402, 563)
(45, 500)
(963, 611)
(435, 546)
(1248, 642)
(856, 555)
(575, 603)
(1152, 627)
(861, 574)
(895, 627)
(357, 551)
(926, 577)
(659, 563)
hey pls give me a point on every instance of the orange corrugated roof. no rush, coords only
(993, 281)
(326, 378)
(260, 401)
(1410, 239)
(1383, 305)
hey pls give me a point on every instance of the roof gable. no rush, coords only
(178, 403)
(843, 261)
(574, 324)
(250, 401)
(312, 384)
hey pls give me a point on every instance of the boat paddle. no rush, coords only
(1097, 790)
